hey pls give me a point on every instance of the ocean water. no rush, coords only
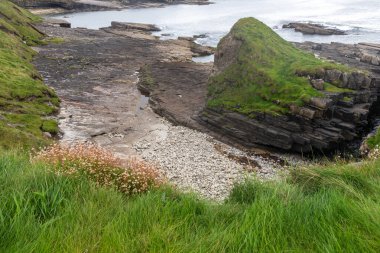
(359, 18)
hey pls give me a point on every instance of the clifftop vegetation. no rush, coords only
(25, 102)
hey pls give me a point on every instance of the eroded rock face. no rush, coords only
(370, 53)
(226, 53)
(322, 123)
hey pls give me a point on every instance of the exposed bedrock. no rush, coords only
(134, 26)
(313, 29)
(337, 115)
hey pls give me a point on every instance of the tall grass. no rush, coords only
(330, 209)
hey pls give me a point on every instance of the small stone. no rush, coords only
(47, 134)
(317, 47)
(318, 84)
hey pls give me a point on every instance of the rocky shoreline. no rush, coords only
(181, 100)
(322, 124)
(101, 103)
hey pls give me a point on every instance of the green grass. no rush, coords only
(54, 40)
(328, 209)
(269, 74)
(374, 141)
(146, 76)
(23, 95)
(18, 21)
(50, 126)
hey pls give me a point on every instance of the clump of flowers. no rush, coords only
(100, 166)
(374, 153)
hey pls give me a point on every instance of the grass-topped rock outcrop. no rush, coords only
(264, 90)
(25, 102)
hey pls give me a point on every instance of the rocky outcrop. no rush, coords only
(310, 28)
(370, 53)
(337, 116)
(134, 26)
(58, 22)
(322, 124)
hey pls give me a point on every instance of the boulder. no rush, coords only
(58, 22)
(318, 84)
(321, 103)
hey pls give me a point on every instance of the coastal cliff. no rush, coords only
(263, 90)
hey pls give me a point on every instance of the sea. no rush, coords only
(359, 18)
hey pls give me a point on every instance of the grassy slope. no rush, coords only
(24, 99)
(331, 209)
(263, 79)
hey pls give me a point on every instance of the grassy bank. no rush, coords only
(25, 102)
(269, 73)
(374, 141)
(329, 209)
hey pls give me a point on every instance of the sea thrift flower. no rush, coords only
(374, 153)
(100, 166)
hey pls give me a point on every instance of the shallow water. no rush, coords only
(204, 59)
(143, 103)
(361, 19)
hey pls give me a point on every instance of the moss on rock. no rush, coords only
(50, 126)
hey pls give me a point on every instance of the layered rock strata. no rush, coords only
(323, 122)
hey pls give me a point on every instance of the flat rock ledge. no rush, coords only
(134, 26)
(313, 29)
(58, 22)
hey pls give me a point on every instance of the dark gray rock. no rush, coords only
(333, 76)
(134, 26)
(310, 28)
(58, 22)
(186, 38)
